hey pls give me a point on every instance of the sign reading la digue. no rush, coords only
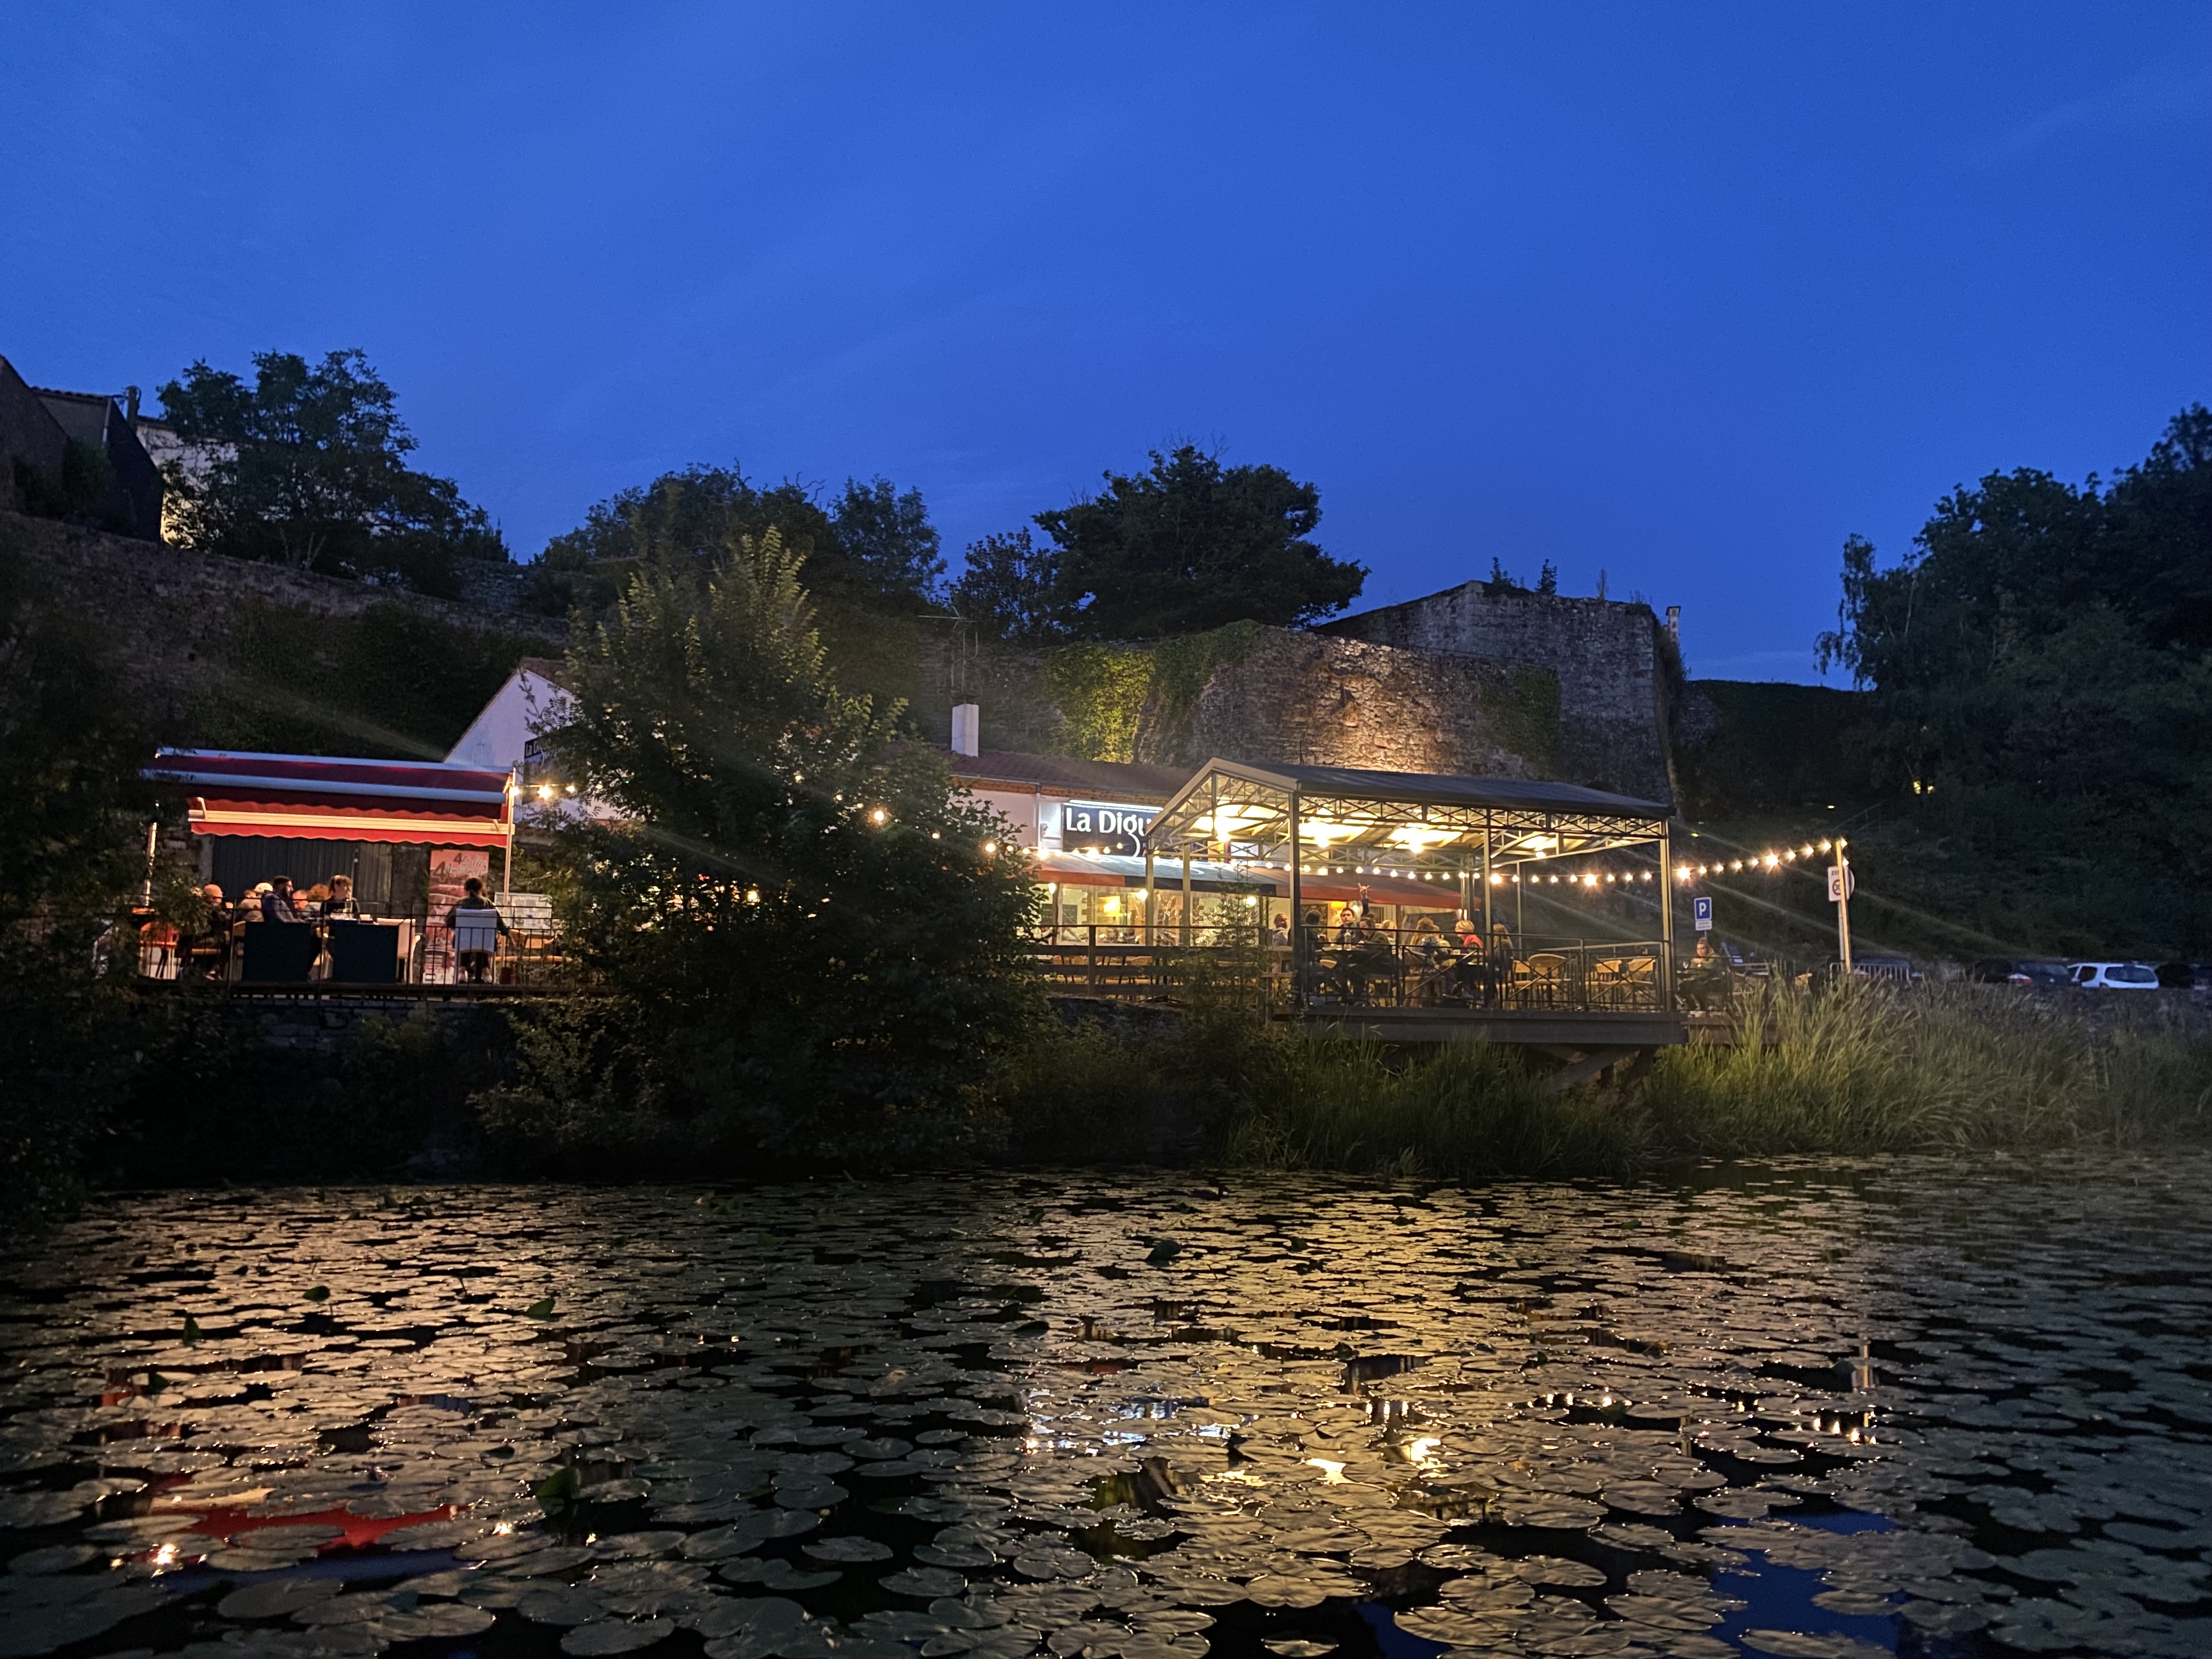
(1092, 826)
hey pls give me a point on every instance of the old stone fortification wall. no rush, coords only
(226, 651)
(1606, 654)
(1302, 697)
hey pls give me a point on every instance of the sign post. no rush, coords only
(1840, 884)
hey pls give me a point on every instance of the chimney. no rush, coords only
(130, 395)
(1674, 625)
(966, 722)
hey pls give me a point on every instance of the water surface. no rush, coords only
(1806, 1409)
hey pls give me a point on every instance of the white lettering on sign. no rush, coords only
(1090, 826)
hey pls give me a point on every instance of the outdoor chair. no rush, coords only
(1547, 980)
(473, 936)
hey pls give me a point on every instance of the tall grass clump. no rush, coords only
(1878, 1068)
(1468, 1111)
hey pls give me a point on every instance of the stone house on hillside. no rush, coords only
(42, 431)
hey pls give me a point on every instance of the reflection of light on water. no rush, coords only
(1422, 1450)
(1332, 1472)
(165, 1558)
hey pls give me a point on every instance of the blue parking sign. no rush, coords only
(1701, 911)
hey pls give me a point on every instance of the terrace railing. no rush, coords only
(392, 951)
(1386, 969)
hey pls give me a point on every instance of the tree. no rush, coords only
(1009, 588)
(814, 951)
(2041, 666)
(70, 748)
(873, 543)
(1501, 583)
(309, 470)
(1192, 545)
(888, 539)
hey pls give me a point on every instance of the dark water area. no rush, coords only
(1923, 1407)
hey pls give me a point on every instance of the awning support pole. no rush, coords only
(1485, 879)
(1298, 910)
(1148, 895)
(507, 875)
(1666, 922)
(1186, 895)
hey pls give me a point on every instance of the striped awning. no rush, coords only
(326, 797)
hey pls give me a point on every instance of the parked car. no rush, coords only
(1997, 970)
(2115, 975)
(2184, 975)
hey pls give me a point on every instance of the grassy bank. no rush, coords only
(1863, 1069)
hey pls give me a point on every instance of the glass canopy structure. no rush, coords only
(1479, 830)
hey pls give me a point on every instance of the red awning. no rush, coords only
(323, 797)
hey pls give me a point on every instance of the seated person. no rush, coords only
(211, 950)
(1279, 936)
(251, 901)
(279, 905)
(339, 906)
(480, 917)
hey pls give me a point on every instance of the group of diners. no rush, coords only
(1427, 964)
(215, 951)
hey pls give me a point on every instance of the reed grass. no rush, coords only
(1876, 1068)
(1468, 1112)
(1849, 1069)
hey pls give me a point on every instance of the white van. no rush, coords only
(2114, 977)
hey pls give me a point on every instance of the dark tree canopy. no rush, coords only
(873, 543)
(1190, 546)
(1009, 589)
(2042, 664)
(887, 538)
(310, 469)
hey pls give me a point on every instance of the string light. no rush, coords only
(1772, 862)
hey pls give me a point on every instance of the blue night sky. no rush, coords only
(1684, 294)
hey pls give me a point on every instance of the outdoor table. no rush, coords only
(364, 952)
(280, 951)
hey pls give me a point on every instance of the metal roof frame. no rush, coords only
(1411, 820)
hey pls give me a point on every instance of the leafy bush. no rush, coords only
(800, 948)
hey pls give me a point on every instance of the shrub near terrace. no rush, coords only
(799, 947)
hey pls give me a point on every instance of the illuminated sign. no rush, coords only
(1092, 826)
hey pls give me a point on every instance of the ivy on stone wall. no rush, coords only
(1101, 691)
(1182, 670)
(1124, 703)
(1522, 710)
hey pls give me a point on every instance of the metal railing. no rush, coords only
(1378, 968)
(388, 950)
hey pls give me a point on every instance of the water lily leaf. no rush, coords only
(191, 1338)
(543, 1308)
(928, 1583)
(56, 1558)
(847, 1549)
(277, 1598)
(557, 1492)
(615, 1636)
(317, 1293)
